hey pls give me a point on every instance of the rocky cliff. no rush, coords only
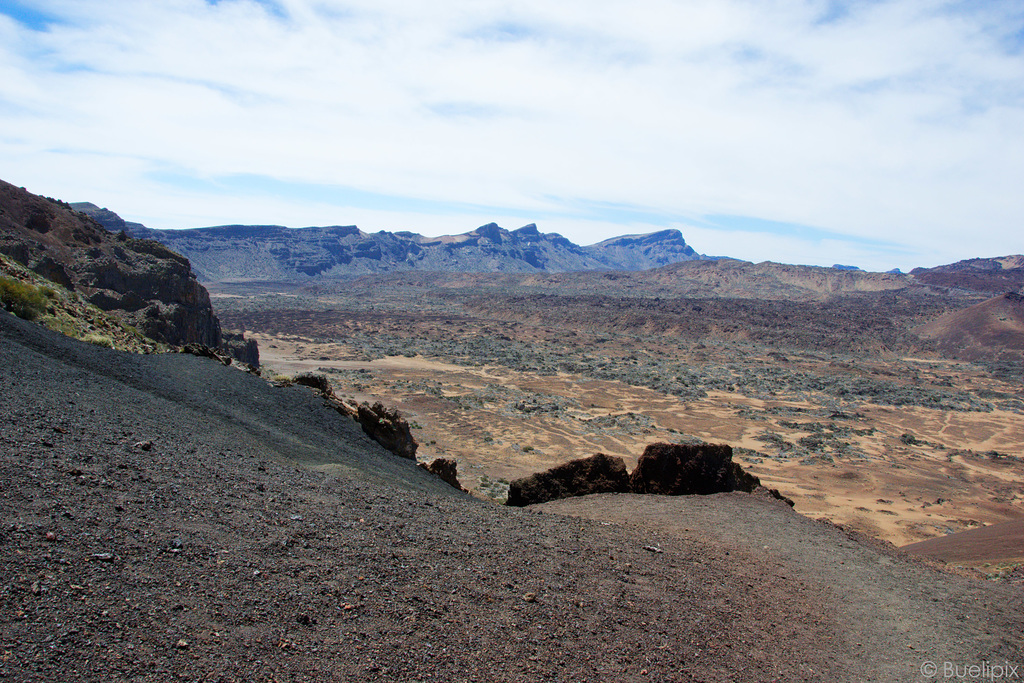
(143, 282)
(276, 253)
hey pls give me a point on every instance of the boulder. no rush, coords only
(599, 473)
(687, 469)
(387, 427)
(447, 469)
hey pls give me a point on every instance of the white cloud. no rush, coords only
(897, 122)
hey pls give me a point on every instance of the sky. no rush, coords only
(869, 133)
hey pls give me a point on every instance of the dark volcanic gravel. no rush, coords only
(168, 518)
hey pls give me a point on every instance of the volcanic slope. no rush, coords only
(993, 329)
(167, 517)
(995, 543)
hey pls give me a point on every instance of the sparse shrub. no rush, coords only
(22, 299)
(99, 340)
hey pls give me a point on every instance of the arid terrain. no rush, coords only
(165, 517)
(185, 516)
(834, 400)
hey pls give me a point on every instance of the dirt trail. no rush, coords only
(892, 614)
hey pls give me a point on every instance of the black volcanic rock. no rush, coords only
(276, 253)
(678, 470)
(599, 473)
(142, 282)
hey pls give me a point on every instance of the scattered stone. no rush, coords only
(182, 644)
(530, 597)
(599, 473)
(653, 549)
(144, 445)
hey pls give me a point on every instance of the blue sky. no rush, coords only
(880, 134)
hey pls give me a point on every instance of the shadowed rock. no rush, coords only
(679, 470)
(599, 473)
(447, 469)
(316, 381)
(238, 347)
(387, 427)
(206, 352)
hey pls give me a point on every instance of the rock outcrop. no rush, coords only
(599, 473)
(665, 469)
(682, 470)
(238, 347)
(141, 281)
(387, 427)
(445, 468)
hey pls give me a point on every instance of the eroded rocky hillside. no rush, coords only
(142, 282)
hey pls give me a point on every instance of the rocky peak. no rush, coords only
(491, 231)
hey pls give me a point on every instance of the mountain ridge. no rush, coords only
(274, 252)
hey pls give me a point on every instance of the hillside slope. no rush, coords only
(992, 329)
(168, 517)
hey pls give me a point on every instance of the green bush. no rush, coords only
(23, 300)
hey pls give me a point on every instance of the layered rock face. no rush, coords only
(664, 468)
(141, 281)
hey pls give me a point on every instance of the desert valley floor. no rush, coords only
(900, 444)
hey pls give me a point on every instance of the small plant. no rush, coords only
(22, 299)
(99, 340)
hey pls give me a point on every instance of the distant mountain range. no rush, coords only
(272, 253)
(275, 253)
